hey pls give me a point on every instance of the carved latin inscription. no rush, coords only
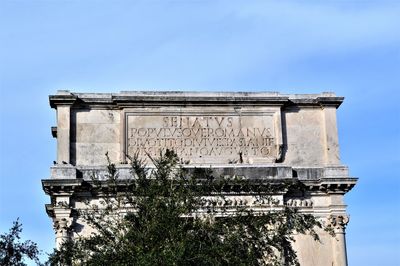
(203, 138)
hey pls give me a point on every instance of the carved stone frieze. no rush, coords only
(297, 202)
(247, 201)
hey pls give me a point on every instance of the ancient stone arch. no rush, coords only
(264, 135)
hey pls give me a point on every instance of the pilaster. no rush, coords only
(339, 222)
(62, 227)
(62, 102)
(331, 136)
(63, 134)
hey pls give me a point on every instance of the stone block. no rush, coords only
(63, 172)
(263, 135)
(336, 171)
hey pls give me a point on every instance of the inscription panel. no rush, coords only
(240, 136)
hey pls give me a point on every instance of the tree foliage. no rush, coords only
(173, 216)
(12, 251)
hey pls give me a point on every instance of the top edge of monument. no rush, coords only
(126, 98)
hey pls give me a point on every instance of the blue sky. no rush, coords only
(349, 47)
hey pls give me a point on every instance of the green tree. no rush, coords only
(12, 251)
(174, 216)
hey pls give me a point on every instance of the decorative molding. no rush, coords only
(339, 222)
(61, 186)
(134, 99)
(66, 98)
(298, 202)
(62, 227)
(339, 185)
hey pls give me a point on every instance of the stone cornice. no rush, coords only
(62, 99)
(159, 98)
(318, 101)
(67, 187)
(61, 186)
(200, 100)
(338, 185)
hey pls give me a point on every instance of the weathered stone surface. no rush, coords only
(63, 172)
(201, 135)
(204, 128)
(263, 136)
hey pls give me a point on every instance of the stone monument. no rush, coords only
(257, 135)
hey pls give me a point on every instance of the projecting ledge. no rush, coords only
(218, 171)
(61, 186)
